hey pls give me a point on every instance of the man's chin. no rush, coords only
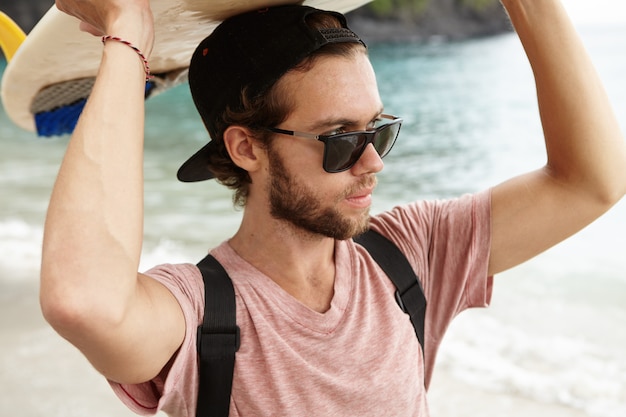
(355, 230)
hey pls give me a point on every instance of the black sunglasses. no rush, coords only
(343, 150)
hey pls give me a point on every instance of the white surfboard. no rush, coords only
(51, 74)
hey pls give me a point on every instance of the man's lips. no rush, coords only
(361, 198)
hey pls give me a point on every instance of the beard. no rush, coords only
(298, 205)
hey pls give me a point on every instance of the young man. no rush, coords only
(321, 333)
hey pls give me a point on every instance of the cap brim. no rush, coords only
(196, 168)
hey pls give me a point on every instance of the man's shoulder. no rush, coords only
(427, 211)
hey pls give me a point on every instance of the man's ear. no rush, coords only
(243, 148)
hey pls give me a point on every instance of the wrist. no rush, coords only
(138, 51)
(135, 28)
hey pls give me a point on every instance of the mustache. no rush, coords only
(366, 182)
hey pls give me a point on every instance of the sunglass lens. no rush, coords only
(385, 138)
(342, 152)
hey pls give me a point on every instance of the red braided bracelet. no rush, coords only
(141, 55)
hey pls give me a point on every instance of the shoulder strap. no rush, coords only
(218, 336)
(409, 293)
(218, 340)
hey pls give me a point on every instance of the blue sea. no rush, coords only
(552, 344)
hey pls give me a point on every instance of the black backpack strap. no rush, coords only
(218, 336)
(218, 340)
(409, 293)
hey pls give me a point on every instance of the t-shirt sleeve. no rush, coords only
(448, 243)
(168, 391)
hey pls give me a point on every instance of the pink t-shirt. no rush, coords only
(361, 357)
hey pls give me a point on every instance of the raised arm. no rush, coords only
(585, 172)
(91, 292)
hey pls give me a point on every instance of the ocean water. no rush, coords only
(556, 331)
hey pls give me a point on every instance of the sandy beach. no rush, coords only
(42, 374)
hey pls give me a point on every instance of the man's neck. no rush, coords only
(300, 262)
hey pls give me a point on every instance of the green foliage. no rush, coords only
(478, 4)
(385, 8)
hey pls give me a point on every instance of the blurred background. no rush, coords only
(552, 342)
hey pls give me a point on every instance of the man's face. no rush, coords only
(337, 94)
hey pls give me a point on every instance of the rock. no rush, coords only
(443, 20)
(440, 19)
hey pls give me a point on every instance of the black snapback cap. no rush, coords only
(251, 50)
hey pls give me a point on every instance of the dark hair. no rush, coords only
(266, 110)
